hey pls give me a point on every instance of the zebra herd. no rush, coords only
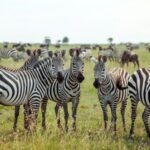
(39, 80)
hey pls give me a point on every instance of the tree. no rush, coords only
(110, 39)
(65, 40)
(47, 41)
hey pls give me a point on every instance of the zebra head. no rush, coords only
(59, 66)
(100, 71)
(77, 65)
(33, 57)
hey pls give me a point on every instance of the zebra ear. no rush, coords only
(71, 52)
(50, 54)
(78, 51)
(104, 59)
(39, 52)
(56, 55)
(100, 58)
(63, 52)
(28, 51)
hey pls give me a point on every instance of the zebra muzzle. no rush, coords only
(60, 77)
(96, 84)
(80, 77)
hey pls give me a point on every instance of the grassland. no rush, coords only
(90, 132)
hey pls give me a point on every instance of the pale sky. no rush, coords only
(83, 21)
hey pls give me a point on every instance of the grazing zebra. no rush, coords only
(68, 90)
(139, 90)
(27, 86)
(8, 53)
(58, 64)
(111, 89)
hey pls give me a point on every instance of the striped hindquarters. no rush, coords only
(139, 86)
(123, 76)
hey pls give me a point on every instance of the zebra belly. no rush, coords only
(107, 99)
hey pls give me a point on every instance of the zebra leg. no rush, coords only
(17, 108)
(57, 112)
(133, 116)
(123, 107)
(66, 115)
(114, 116)
(26, 116)
(34, 110)
(43, 109)
(75, 103)
(105, 117)
(145, 116)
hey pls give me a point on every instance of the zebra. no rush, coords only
(7, 53)
(139, 90)
(67, 91)
(58, 64)
(112, 89)
(27, 86)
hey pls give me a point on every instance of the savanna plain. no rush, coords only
(90, 133)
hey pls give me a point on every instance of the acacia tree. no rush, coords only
(65, 40)
(110, 40)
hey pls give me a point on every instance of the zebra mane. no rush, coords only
(10, 69)
(42, 62)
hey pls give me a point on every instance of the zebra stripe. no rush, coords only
(108, 92)
(139, 90)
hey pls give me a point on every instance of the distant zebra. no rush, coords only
(27, 86)
(111, 88)
(7, 53)
(44, 53)
(139, 90)
(68, 90)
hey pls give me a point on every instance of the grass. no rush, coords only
(90, 132)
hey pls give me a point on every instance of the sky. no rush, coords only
(82, 21)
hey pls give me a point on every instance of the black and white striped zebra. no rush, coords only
(8, 53)
(27, 86)
(139, 90)
(110, 87)
(68, 90)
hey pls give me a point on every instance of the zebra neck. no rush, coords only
(71, 79)
(106, 81)
(43, 77)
